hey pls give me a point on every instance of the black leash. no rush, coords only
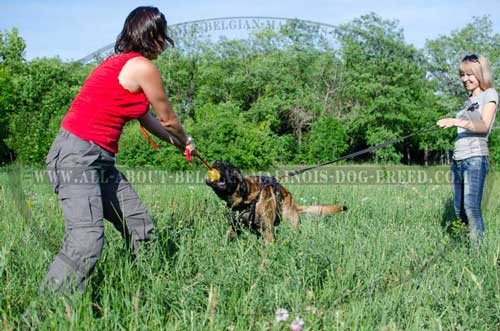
(364, 151)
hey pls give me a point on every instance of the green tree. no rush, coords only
(11, 62)
(280, 80)
(326, 141)
(387, 86)
(223, 133)
(6, 107)
(44, 91)
(12, 50)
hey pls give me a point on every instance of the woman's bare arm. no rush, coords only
(150, 123)
(481, 126)
(140, 74)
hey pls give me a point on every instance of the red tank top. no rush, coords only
(103, 106)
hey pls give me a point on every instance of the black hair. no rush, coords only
(143, 29)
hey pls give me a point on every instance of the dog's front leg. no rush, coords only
(265, 227)
(265, 212)
(267, 230)
(234, 229)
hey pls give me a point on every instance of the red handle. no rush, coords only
(187, 153)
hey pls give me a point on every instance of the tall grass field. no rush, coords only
(395, 260)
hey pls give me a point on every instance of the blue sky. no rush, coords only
(74, 29)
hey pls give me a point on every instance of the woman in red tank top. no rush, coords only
(82, 157)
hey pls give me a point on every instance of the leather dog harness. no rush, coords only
(248, 213)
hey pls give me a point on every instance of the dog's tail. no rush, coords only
(321, 209)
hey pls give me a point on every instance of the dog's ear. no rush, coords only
(218, 164)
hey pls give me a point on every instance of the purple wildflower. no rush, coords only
(297, 324)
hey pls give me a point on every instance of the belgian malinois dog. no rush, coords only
(259, 202)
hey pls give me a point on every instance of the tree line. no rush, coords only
(292, 96)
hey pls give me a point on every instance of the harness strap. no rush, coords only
(243, 189)
(263, 182)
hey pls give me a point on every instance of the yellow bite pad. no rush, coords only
(213, 175)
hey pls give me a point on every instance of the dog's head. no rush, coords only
(229, 182)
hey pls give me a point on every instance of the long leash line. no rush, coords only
(361, 152)
(373, 148)
(214, 173)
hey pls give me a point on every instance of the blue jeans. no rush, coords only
(468, 178)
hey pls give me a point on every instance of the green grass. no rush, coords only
(385, 264)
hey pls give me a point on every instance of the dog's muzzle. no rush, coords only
(218, 185)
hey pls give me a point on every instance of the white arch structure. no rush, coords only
(222, 25)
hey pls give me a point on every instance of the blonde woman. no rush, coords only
(470, 155)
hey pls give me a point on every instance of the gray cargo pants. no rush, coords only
(89, 188)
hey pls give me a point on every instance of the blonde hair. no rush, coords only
(480, 67)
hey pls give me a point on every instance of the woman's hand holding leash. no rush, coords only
(190, 149)
(446, 123)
